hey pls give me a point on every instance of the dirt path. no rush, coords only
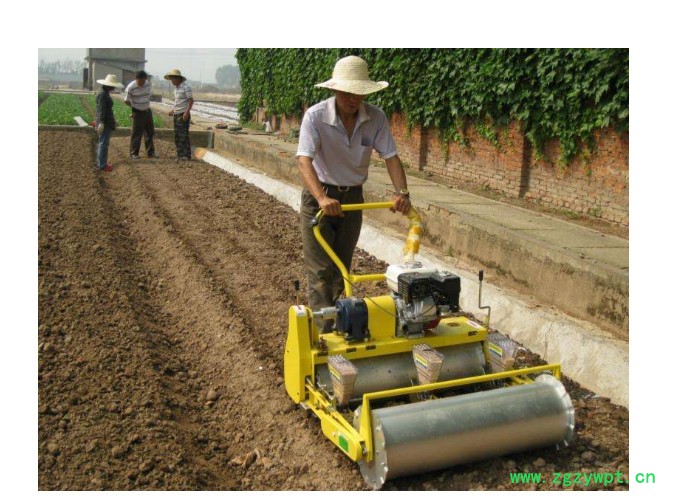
(164, 290)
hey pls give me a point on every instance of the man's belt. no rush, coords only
(342, 189)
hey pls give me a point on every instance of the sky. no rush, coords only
(196, 64)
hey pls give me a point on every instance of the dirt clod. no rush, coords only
(146, 466)
(53, 448)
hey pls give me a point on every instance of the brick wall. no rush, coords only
(595, 185)
(289, 122)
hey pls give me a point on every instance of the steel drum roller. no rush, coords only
(436, 434)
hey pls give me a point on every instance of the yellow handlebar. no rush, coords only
(412, 244)
(358, 206)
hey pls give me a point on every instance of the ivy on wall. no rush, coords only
(562, 94)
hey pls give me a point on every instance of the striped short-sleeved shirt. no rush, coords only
(139, 97)
(182, 95)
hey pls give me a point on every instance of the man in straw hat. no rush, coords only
(105, 120)
(337, 138)
(182, 105)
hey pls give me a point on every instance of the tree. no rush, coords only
(61, 66)
(228, 76)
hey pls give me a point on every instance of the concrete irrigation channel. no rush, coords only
(163, 297)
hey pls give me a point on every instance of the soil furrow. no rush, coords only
(230, 354)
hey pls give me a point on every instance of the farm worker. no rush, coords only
(137, 96)
(337, 138)
(182, 105)
(105, 119)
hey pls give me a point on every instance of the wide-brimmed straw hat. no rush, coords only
(174, 72)
(351, 75)
(110, 81)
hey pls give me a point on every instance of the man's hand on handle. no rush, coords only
(330, 206)
(401, 204)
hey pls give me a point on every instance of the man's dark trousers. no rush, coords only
(142, 124)
(181, 132)
(325, 284)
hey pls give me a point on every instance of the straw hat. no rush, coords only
(351, 75)
(110, 81)
(174, 72)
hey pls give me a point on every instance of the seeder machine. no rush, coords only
(406, 383)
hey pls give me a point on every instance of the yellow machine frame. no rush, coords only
(307, 348)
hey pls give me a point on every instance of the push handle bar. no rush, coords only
(410, 249)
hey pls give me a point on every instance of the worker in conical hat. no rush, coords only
(105, 119)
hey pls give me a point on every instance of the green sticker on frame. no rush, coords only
(343, 443)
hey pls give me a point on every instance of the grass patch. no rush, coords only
(254, 126)
(61, 109)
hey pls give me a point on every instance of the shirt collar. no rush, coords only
(331, 117)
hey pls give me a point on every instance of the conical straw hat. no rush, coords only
(110, 81)
(174, 72)
(351, 75)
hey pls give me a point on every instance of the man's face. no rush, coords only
(140, 81)
(349, 103)
(175, 80)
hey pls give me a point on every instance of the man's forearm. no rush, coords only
(396, 172)
(309, 177)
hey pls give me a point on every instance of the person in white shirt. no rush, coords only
(182, 105)
(137, 96)
(337, 138)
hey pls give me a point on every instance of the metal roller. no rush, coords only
(436, 434)
(397, 370)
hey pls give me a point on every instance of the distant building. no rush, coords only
(121, 62)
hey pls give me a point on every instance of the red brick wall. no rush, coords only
(289, 122)
(595, 185)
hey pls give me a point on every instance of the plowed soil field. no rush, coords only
(163, 297)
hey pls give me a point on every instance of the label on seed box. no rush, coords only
(420, 360)
(495, 349)
(334, 373)
(474, 324)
